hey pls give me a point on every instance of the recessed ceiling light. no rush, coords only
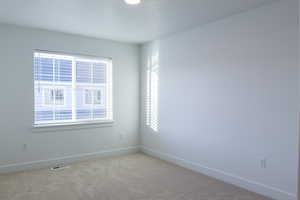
(133, 2)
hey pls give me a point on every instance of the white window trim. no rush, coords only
(109, 91)
(70, 123)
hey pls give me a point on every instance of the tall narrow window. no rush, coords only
(71, 89)
(152, 93)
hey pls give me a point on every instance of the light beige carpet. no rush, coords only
(130, 177)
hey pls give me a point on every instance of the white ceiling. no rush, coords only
(113, 19)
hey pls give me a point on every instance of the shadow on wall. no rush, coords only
(152, 90)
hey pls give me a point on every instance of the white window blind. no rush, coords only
(152, 93)
(71, 89)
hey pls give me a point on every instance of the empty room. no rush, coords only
(149, 100)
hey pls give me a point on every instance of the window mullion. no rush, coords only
(74, 111)
(92, 91)
(53, 87)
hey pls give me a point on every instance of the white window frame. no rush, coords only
(109, 90)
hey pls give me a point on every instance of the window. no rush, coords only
(71, 89)
(152, 93)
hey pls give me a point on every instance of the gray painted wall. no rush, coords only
(228, 99)
(19, 141)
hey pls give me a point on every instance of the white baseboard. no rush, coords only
(66, 160)
(259, 188)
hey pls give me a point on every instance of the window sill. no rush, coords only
(71, 126)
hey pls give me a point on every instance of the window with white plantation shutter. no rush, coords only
(71, 89)
(152, 93)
